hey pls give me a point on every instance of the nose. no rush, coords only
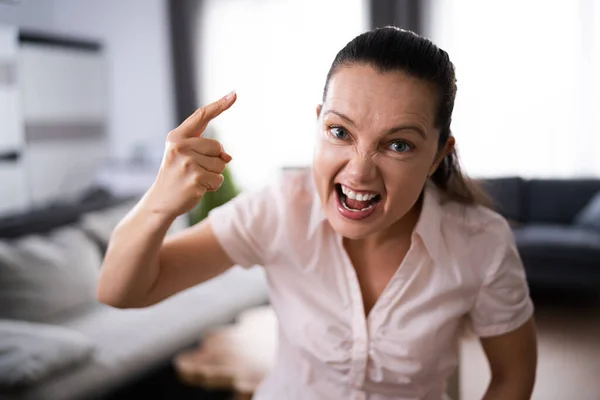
(361, 168)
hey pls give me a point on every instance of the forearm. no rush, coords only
(515, 388)
(131, 263)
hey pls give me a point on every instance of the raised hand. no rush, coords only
(191, 164)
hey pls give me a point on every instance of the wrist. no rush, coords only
(155, 213)
(151, 206)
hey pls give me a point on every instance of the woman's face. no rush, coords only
(376, 147)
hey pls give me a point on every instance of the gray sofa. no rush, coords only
(556, 223)
(57, 342)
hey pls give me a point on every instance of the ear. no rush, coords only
(442, 153)
(319, 108)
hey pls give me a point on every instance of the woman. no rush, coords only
(375, 257)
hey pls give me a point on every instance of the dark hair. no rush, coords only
(392, 49)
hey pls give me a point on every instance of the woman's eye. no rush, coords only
(338, 132)
(401, 147)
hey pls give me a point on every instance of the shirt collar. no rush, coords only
(317, 215)
(428, 226)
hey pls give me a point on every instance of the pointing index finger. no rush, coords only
(196, 123)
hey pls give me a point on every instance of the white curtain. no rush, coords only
(528, 87)
(275, 54)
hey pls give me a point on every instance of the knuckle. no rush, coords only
(216, 146)
(171, 136)
(170, 156)
(187, 164)
(174, 148)
(173, 143)
(210, 146)
(198, 178)
(200, 113)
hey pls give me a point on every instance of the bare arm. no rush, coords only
(192, 257)
(513, 360)
(141, 266)
(142, 269)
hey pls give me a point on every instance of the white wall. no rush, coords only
(135, 35)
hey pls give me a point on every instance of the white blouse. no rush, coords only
(462, 266)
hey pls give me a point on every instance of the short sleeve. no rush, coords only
(246, 226)
(503, 303)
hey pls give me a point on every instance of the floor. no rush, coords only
(568, 350)
(163, 384)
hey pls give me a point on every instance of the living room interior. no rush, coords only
(89, 90)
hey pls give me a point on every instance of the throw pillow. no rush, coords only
(589, 216)
(43, 277)
(30, 352)
(100, 224)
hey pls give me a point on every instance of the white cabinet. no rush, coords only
(11, 126)
(63, 85)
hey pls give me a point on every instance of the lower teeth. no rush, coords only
(353, 210)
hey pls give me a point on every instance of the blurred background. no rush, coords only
(89, 90)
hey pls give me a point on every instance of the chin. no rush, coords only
(350, 230)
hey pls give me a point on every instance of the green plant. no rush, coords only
(210, 200)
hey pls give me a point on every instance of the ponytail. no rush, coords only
(451, 180)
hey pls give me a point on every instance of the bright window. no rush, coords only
(528, 91)
(275, 54)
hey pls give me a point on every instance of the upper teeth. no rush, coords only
(357, 196)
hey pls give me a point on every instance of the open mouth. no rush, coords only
(356, 202)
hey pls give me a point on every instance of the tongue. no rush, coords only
(356, 204)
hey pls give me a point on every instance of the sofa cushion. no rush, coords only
(560, 255)
(589, 216)
(42, 276)
(507, 195)
(558, 200)
(558, 241)
(99, 224)
(31, 352)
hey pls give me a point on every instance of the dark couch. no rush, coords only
(558, 248)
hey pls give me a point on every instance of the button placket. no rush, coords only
(359, 323)
(359, 360)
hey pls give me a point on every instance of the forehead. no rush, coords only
(367, 95)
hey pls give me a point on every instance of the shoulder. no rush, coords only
(257, 225)
(478, 238)
(297, 199)
(289, 194)
(475, 222)
(297, 183)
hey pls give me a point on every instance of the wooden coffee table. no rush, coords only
(235, 357)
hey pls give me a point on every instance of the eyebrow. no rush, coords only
(402, 127)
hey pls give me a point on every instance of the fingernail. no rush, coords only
(230, 95)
